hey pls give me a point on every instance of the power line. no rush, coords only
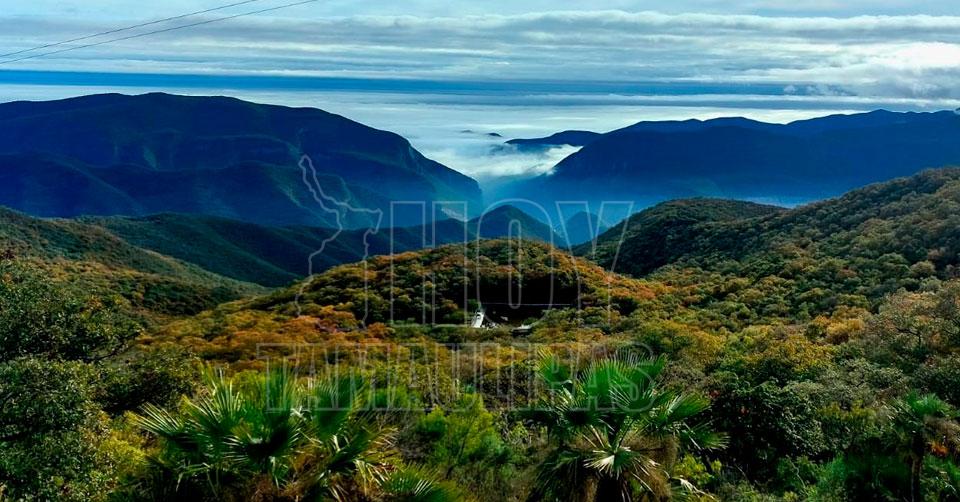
(127, 28)
(164, 30)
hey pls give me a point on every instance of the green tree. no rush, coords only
(924, 423)
(42, 317)
(54, 440)
(766, 423)
(465, 445)
(51, 432)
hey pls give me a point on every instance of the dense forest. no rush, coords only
(722, 351)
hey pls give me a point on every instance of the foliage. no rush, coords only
(51, 432)
(60, 349)
(614, 433)
(273, 437)
(465, 443)
(158, 375)
(39, 317)
(824, 341)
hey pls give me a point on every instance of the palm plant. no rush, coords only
(614, 432)
(275, 438)
(924, 423)
(416, 484)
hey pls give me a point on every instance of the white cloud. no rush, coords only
(496, 162)
(875, 56)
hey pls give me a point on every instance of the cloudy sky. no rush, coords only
(433, 68)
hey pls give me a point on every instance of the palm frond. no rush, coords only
(418, 484)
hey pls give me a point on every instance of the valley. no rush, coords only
(180, 318)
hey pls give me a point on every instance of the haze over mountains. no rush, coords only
(745, 159)
(216, 183)
(124, 155)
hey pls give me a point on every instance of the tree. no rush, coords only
(614, 432)
(51, 432)
(766, 423)
(41, 317)
(924, 423)
(54, 339)
(465, 445)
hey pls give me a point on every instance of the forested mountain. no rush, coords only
(912, 217)
(653, 237)
(780, 354)
(849, 251)
(796, 354)
(275, 256)
(176, 263)
(101, 262)
(745, 159)
(460, 277)
(115, 154)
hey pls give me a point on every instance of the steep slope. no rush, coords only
(740, 158)
(845, 251)
(509, 221)
(107, 264)
(582, 227)
(49, 187)
(658, 235)
(220, 156)
(276, 256)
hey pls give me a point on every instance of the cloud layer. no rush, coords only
(902, 56)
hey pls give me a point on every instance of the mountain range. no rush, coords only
(864, 244)
(275, 256)
(745, 159)
(115, 154)
(727, 259)
(207, 249)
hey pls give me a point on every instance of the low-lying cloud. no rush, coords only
(499, 161)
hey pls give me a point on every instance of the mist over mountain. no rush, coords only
(741, 158)
(571, 138)
(582, 227)
(115, 154)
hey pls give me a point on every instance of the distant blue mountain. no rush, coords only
(114, 154)
(571, 138)
(740, 158)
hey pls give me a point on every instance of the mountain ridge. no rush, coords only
(129, 147)
(740, 158)
(866, 243)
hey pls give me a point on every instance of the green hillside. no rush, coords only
(276, 256)
(848, 251)
(654, 237)
(802, 354)
(106, 264)
(459, 278)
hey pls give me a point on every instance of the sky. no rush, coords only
(433, 69)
